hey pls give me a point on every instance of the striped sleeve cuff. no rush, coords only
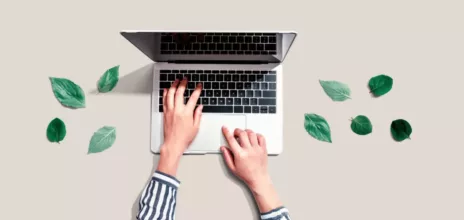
(277, 213)
(166, 179)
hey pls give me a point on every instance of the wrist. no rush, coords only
(169, 160)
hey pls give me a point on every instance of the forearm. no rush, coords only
(158, 200)
(268, 202)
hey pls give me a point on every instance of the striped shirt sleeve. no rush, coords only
(158, 200)
(280, 213)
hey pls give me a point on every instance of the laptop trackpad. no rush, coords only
(210, 137)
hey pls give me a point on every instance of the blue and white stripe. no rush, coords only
(158, 200)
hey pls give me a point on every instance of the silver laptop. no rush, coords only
(242, 77)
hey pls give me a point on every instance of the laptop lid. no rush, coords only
(212, 46)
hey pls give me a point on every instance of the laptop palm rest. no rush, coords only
(210, 137)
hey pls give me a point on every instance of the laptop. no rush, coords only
(242, 77)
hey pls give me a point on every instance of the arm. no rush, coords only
(247, 159)
(181, 123)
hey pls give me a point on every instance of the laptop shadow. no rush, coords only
(137, 82)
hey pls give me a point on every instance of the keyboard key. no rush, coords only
(270, 47)
(221, 101)
(252, 78)
(171, 77)
(213, 101)
(232, 85)
(202, 93)
(183, 71)
(263, 109)
(207, 85)
(233, 93)
(248, 85)
(270, 94)
(247, 109)
(264, 39)
(255, 109)
(205, 101)
(272, 109)
(272, 39)
(220, 78)
(215, 71)
(229, 101)
(228, 78)
(209, 93)
(195, 77)
(211, 77)
(237, 101)
(161, 93)
(252, 46)
(256, 39)
(228, 46)
(160, 100)
(272, 72)
(239, 85)
(218, 109)
(191, 85)
(241, 93)
(217, 93)
(163, 77)
(215, 85)
(260, 47)
(211, 46)
(223, 85)
(258, 93)
(238, 109)
(219, 46)
(254, 101)
(203, 77)
(235, 78)
(179, 76)
(165, 85)
(216, 39)
(225, 93)
(232, 39)
(264, 86)
(272, 86)
(245, 101)
(160, 108)
(271, 78)
(260, 78)
(255, 85)
(236, 46)
(249, 93)
(243, 78)
(267, 101)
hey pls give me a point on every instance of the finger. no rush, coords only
(197, 116)
(194, 97)
(252, 137)
(228, 158)
(171, 93)
(233, 144)
(261, 141)
(165, 93)
(242, 137)
(180, 93)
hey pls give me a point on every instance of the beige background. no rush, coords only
(419, 43)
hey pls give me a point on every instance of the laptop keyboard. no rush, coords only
(227, 91)
(219, 43)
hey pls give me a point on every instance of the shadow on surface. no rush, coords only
(246, 192)
(135, 206)
(139, 81)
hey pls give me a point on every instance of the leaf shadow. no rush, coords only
(137, 82)
(246, 191)
(135, 206)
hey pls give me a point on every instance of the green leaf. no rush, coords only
(109, 79)
(380, 85)
(68, 93)
(361, 125)
(400, 129)
(337, 91)
(317, 127)
(56, 130)
(102, 139)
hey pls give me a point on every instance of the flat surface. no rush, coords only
(419, 43)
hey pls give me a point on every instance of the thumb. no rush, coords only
(227, 154)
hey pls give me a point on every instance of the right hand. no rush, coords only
(247, 158)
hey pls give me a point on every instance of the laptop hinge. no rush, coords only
(219, 61)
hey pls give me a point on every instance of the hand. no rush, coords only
(247, 159)
(181, 123)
